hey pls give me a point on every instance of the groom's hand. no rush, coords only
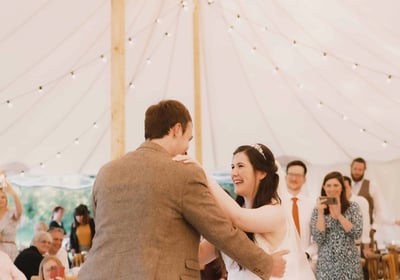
(278, 263)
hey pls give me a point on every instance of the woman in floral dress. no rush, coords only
(335, 227)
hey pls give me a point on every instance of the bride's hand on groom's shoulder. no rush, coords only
(186, 159)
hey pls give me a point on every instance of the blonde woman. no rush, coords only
(9, 219)
(51, 268)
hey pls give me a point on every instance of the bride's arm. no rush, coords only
(259, 220)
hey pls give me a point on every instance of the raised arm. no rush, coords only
(250, 220)
(17, 202)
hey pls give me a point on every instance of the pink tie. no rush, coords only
(295, 213)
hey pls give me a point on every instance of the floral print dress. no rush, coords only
(338, 258)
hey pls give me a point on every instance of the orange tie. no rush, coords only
(295, 213)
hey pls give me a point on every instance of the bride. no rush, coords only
(258, 212)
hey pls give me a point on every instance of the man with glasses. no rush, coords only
(301, 207)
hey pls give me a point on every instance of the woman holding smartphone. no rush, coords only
(336, 224)
(9, 219)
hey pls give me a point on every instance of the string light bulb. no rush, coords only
(363, 130)
(384, 144)
(22, 173)
(294, 42)
(73, 75)
(320, 104)
(40, 89)
(354, 66)
(103, 58)
(95, 125)
(148, 60)
(131, 85)
(344, 117)
(389, 78)
(42, 165)
(9, 104)
(76, 141)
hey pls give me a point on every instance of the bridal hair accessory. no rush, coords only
(259, 149)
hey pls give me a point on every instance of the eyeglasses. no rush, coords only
(45, 241)
(294, 175)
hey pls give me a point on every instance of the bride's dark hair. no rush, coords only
(262, 159)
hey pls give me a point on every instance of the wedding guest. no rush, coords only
(48, 266)
(55, 249)
(82, 230)
(8, 270)
(9, 219)
(28, 261)
(335, 225)
(57, 218)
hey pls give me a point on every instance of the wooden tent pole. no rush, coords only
(197, 81)
(117, 78)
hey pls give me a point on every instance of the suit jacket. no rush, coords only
(150, 212)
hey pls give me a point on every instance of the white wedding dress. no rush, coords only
(297, 266)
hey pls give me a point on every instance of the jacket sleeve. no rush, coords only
(201, 211)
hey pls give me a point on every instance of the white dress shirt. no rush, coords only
(364, 206)
(62, 255)
(305, 206)
(380, 212)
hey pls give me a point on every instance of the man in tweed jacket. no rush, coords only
(150, 211)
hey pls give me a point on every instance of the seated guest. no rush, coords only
(49, 267)
(55, 250)
(40, 226)
(28, 260)
(57, 217)
(82, 230)
(8, 271)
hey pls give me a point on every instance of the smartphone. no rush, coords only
(328, 200)
(57, 271)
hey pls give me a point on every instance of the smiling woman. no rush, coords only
(332, 222)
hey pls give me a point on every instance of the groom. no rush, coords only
(150, 211)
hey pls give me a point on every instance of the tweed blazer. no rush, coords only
(149, 213)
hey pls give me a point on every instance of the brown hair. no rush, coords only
(161, 117)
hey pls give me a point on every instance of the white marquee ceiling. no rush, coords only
(316, 80)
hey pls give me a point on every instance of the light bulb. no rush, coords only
(58, 155)
(389, 78)
(95, 125)
(355, 66)
(9, 104)
(76, 141)
(73, 75)
(384, 144)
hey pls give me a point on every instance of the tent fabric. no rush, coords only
(313, 80)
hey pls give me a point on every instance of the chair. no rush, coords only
(373, 266)
(389, 267)
(393, 249)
